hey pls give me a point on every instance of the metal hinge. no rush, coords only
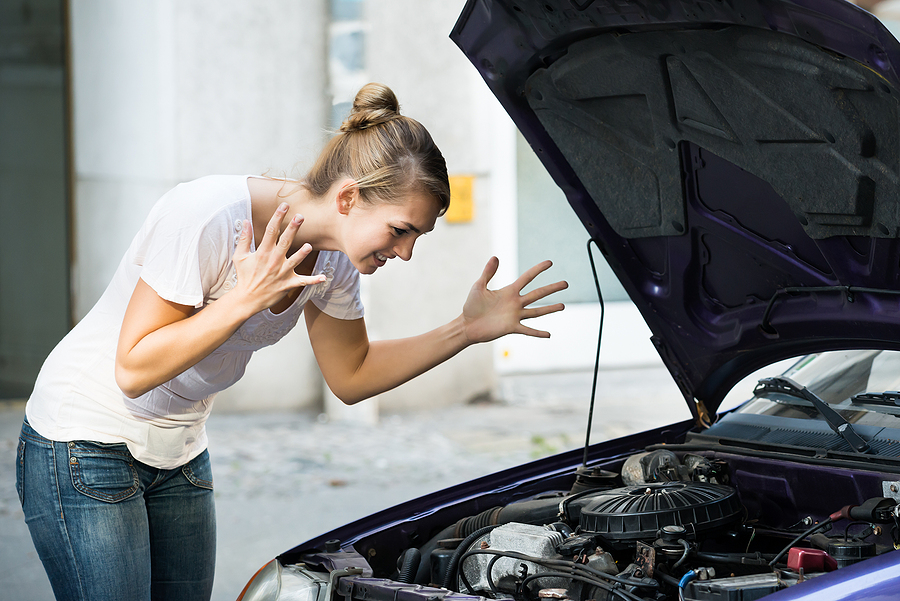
(703, 419)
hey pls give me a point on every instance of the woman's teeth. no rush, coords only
(380, 257)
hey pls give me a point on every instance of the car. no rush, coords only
(737, 163)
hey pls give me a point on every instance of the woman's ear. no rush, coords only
(347, 196)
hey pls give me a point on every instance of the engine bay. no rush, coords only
(670, 523)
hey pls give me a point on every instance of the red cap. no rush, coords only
(810, 560)
(842, 514)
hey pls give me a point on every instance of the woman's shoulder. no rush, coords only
(227, 186)
(199, 200)
(266, 193)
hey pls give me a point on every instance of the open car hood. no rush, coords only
(736, 161)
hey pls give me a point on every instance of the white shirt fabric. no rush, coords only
(184, 252)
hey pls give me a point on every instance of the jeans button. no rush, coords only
(73, 460)
(71, 445)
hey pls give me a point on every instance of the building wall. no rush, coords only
(34, 252)
(165, 91)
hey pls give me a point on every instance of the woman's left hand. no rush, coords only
(490, 314)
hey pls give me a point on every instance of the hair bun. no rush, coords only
(374, 104)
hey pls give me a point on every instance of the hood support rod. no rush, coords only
(587, 440)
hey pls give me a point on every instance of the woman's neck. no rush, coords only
(317, 228)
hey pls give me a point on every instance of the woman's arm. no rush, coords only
(161, 339)
(356, 369)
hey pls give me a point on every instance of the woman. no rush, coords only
(112, 469)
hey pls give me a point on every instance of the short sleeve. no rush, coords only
(184, 249)
(341, 297)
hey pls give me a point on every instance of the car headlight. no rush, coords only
(275, 582)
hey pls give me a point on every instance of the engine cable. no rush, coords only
(490, 569)
(684, 556)
(587, 440)
(805, 533)
(572, 566)
(627, 595)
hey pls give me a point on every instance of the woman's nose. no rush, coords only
(404, 249)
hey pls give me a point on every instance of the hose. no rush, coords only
(462, 548)
(684, 556)
(409, 565)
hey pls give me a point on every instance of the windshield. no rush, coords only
(852, 383)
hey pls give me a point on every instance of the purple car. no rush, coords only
(737, 163)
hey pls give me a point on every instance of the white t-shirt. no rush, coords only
(183, 251)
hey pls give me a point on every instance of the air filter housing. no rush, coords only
(639, 512)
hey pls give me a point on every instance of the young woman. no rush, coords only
(112, 469)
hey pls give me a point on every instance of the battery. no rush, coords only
(738, 588)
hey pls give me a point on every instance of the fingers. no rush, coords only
(490, 269)
(273, 228)
(274, 238)
(295, 259)
(309, 280)
(532, 273)
(243, 246)
(544, 291)
(532, 332)
(541, 311)
(287, 237)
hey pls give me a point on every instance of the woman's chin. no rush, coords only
(366, 268)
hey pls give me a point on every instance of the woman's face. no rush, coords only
(376, 233)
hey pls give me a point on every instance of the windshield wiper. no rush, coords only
(837, 423)
(888, 398)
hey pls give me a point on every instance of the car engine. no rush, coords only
(665, 526)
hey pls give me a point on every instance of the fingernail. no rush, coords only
(297, 218)
(283, 206)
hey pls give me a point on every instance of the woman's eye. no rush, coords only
(398, 231)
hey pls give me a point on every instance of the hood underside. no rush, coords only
(737, 162)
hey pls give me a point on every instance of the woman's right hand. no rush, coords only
(267, 275)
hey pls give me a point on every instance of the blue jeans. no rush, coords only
(109, 528)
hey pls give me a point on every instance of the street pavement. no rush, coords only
(283, 478)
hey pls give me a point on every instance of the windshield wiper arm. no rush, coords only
(837, 423)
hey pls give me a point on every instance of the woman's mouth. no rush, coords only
(380, 259)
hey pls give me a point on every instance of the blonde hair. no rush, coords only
(388, 154)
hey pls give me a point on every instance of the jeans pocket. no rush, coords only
(198, 471)
(104, 472)
(20, 471)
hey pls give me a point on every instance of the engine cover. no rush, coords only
(638, 512)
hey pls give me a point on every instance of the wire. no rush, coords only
(745, 559)
(557, 563)
(665, 576)
(564, 504)
(684, 556)
(847, 530)
(598, 583)
(806, 533)
(685, 580)
(587, 438)
(749, 542)
(490, 568)
(455, 559)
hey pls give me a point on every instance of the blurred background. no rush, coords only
(107, 104)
